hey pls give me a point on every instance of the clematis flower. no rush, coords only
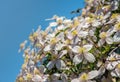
(86, 77)
(105, 37)
(56, 61)
(83, 52)
(113, 64)
(116, 71)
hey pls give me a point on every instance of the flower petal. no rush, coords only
(89, 57)
(75, 80)
(47, 48)
(77, 59)
(88, 47)
(109, 40)
(76, 49)
(116, 37)
(37, 78)
(93, 74)
(60, 64)
(62, 53)
(50, 65)
(101, 42)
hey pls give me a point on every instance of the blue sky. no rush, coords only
(17, 19)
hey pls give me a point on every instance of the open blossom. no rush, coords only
(105, 37)
(113, 64)
(83, 53)
(86, 77)
(56, 61)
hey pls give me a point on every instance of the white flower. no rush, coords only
(83, 52)
(105, 37)
(57, 61)
(113, 64)
(86, 77)
(116, 71)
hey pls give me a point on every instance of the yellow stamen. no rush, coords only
(112, 59)
(53, 40)
(36, 71)
(114, 15)
(76, 23)
(81, 50)
(117, 26)
(29, 76)
(35, 34)
(31, 38)
(103, 35)
(84, 77)
(74, 32)
(20, 79)
(118, 66)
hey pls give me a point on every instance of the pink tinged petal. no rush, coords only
(50, 65)
(69, 35)
(88, 47)
(78, 59)
(77, 39)
(109, 40)
(76, 49)
(93, 74)
(37, 78)
(89, 57)
(101, 71)
(101, 42)
(47, 48)
(60, 64)
(62, 53)
(75, 80)
(110, 66)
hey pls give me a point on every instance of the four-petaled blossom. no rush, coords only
(105, 37)
(86, 77)
(83, 52)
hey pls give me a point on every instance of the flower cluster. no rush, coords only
(81, 49)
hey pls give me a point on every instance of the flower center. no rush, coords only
(118, 66)
(76, 23)
(117, 26)
(103, 35)
(53, 40)
(35, 34)
(74, 32)
(112, 59)
(29, 76)
(84, 77)
(81, 50)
